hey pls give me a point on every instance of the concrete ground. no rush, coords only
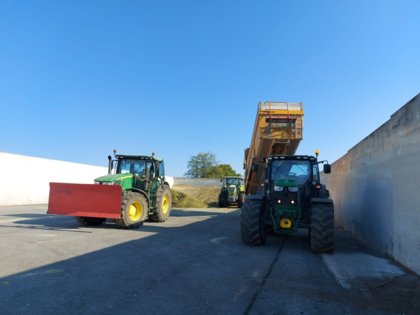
(194, 263)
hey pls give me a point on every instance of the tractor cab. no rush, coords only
(132, 171)
(235, 181)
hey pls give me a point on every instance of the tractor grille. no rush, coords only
(232, 190)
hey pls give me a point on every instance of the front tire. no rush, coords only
(134, 210)
(321, 233)
(252, 222)
(163, 205)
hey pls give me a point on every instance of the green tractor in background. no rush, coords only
(232, 191)
(135, 190)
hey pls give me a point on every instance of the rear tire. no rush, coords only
(134, 210)
(321, 232)
(88, 221)
(163, 205)
(252, 222)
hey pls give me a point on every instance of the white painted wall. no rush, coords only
(25, 179)
(376, 187)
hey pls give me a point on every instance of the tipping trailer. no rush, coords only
(134, 190)
(283, 190)
(278, 129)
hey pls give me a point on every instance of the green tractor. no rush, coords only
(292, 198)
(232, 191)
(134, 191)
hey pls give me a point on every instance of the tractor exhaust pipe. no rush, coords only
(109, 164)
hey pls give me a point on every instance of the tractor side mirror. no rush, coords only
(327, 168)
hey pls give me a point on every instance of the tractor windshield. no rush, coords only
(233, 181)
(290, 169)
(131, 166)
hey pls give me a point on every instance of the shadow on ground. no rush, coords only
(201, 267)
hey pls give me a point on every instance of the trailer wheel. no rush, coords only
(88, 221)
(321, 232)
(252, 222)
(163, 205)
(134, 210)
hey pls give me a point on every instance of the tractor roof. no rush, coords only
(138, 157)
(293, 157)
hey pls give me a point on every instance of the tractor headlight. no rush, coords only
(293, 189)
(278, 188)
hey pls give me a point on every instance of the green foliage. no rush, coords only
(205, 165)
(220, 171)
(199, 164)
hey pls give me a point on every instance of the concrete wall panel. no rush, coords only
(25, 180)
(376, 187)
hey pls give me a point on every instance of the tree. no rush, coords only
(199, 164)
(220, 171)
(205, 165)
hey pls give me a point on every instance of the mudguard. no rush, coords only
(85, 200)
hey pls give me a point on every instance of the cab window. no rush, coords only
(161, 170)
(131, 166)
(315, 173)
(290, 169)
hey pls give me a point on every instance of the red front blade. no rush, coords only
(85, 200)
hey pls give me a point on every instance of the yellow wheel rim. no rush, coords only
(165, 204)
(135, 211)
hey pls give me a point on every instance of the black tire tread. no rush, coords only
(322, 228)
(159, 216)
(251, 227)
(127, 199)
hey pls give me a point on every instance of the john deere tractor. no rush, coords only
(134, 191)
(292, 197)
(232, 191)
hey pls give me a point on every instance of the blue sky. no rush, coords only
(80, 78)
